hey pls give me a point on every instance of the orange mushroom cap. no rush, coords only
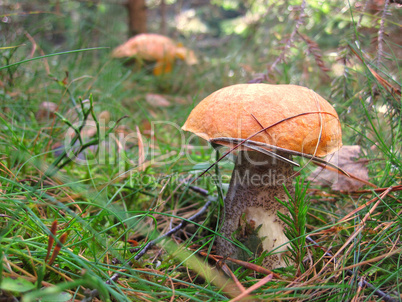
(311, 125)
(154, 47)
(148, 47)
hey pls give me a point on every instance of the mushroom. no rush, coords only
(154, 47)
(271, 123)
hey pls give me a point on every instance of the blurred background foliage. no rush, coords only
(305, 43)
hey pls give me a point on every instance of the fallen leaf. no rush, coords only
(157, 100)
(347, 158)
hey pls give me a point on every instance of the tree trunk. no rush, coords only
(137, 17)
(163, 29)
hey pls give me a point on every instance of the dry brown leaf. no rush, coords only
(347, 158)
(157, 100)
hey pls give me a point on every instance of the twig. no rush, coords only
(378, 292)
(229, 272)
(396, 188)
(366, 204)
(359, 228)
(172, 231)
(257, 285)
(245, 264)
(199, 190)
(91, 294)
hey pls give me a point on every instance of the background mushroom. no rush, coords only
(302, 123)
(154, 47)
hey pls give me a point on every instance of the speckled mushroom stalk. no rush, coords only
(250, 203)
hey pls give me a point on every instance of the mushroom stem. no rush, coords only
(251, 208)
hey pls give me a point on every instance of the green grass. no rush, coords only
(110, 206)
